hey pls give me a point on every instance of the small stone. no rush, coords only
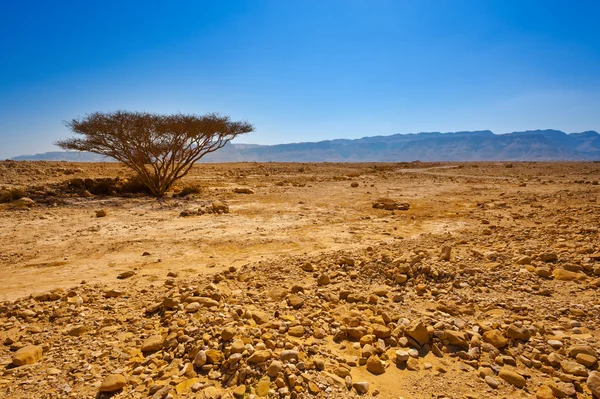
(543, 271)
(78, 331)
(274, 368)
(313, 388)
(413, 364)
(186, 385)
(308, 267)
(323, 280)
(575, 350)
(593, 383)
(492, 382)
(210, 392)
(295, 301)
(288, 355)
(512, 378)
(381, 332)
(417, 331)
(586, 360)
(375, 365)
(296, 331)
(200, 359)
(220, 207)
(238, 346)
(30, 354)
(361, 388)
(239, 392)
(544, 392)
(401, 357)
(445, 253)
(113, 293)
(214, 356)
(260, 317)
(516, 332)
(456, 338)
(574, 368)
(259, 356)
(563, 389)
(495, 338)
(263, 386)
(101, 213)
(566, 275)
(126, 274)
(153, 343)
(243, 190)
(170, 303)
(555, 344)
(193, 307)
(228, 333)
(112, 383)
(524, 260)
(367, 351)
(548, 257)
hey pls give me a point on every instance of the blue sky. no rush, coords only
(301, 70)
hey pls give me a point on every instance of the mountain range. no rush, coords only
(533, 145)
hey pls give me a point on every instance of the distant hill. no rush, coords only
(71, 156)
(535, 145)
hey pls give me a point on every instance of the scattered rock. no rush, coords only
(566, 275)
(390, 205)
(512, 378)
(375, 365)
(112, 383)
(126, 274)
(153, 343)
(30, 354)
(220, 207)
(361, 387)
(495, 338)
(593, 383)
(243, 190)
(417, 331)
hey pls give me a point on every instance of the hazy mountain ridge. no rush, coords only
(536, 145)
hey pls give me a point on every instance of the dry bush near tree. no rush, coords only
(161, 149)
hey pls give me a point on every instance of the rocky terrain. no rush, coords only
(403, 280)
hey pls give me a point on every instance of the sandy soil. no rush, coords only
(492, 215)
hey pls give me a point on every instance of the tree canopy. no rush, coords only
(160, 148)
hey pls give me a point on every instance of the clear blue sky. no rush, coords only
(301, 70)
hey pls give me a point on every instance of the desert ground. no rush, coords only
(301, 280)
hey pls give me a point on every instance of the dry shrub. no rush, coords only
(188, 190)
(134, 185)
(13, 194)
(109, 186)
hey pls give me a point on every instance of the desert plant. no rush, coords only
(161, 149)
(191, 189)
(5, 196)
(13, 194)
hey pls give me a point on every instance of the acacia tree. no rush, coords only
(160, 148)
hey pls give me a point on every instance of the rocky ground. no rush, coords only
(302, 280)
